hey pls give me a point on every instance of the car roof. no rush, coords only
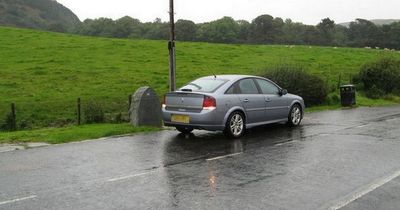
(229, 77)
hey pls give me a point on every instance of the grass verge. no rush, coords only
(94, 131)
(70, 133)
(44, 73)
(362, 101)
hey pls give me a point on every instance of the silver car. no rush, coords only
(230, 103)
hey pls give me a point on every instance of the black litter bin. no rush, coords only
(348, 95)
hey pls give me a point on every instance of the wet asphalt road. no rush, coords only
(346, 159)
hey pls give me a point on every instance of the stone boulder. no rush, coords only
(145, 108)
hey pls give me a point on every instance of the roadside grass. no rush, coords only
(44, 73)
(362, 101)
(70, 133)
(95, 131)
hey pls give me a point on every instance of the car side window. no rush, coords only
(267, 87)
(247, 86)
(230, 90)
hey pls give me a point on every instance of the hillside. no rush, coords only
(44, 73)
(376, 22)
(38, 14)
(384, 21)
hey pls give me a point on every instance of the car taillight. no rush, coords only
(164, 102)
(209, 103)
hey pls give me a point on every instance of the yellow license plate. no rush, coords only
(180, 118)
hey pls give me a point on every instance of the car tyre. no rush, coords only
(184, 130)
(295, 115)
(235, 125)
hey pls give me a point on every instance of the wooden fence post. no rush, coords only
(79, 111)
(130, 101)
(13, 118)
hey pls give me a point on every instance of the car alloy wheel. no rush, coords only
(235, 126)
(295, 115)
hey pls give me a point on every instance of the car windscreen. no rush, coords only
(204, 85)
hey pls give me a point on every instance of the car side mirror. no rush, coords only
(283, 92)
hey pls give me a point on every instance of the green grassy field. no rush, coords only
(44, 73)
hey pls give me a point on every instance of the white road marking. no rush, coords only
(129, 176)
(365, 190)
(224, 156)
(361, 126)
(17, 200)
(289, 142)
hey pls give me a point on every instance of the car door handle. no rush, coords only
(267, 100)
(246, 100)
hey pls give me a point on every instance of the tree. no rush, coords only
(340, 36)
(244, 30)
(278, 30)
(261, 28)
(266, 30)
(293, 33)
(185, 30)
(364, 33)
(98, 27)
(127, 27)
(391, 35)
(326, 28)
(311, 35)
(224, 30)
(156, 30)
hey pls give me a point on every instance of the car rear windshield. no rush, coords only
(204, 85)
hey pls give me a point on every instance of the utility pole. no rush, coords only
(171, 48)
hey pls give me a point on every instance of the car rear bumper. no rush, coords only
(204, 120)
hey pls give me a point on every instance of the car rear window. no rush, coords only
(204, 85)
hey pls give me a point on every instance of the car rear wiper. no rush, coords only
(198, 86)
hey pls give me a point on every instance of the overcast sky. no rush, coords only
(306, 11)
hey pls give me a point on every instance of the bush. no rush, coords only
(94, 113)
(9, 123)
(381, 77)
(118, 118)
(332, 99)
(374, 93)
(297, 81)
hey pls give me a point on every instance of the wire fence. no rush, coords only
(21, 115)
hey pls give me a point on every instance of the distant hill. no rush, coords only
(37, 14)
(375, 21)
(384, 21)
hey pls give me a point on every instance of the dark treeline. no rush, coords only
(262, 30)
